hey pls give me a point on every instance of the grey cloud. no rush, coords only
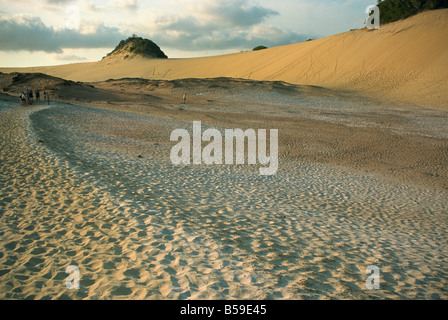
(237, 12)
(189, 32)
(30, 33)
(232, 24)
(227, 39)
(130, 5)
(186, 25)
(58, 1)
(221, 15)
(70, 58)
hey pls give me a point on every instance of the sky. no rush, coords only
(54, 32)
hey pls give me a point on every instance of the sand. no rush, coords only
(93, 186)
(362, 178)
(406, 61)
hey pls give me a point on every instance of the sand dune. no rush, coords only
(405, 61)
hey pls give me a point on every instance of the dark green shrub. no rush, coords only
(259, 48)
(394, 10)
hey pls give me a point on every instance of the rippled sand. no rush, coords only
(95, 188)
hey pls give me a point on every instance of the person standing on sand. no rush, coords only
(23, 98)
(37, 95)
(31, 96)
(185, 98)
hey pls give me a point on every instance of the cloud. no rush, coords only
(195, 25)
(219, 25)
(58, 2)
(30, 33)
(70, 57)
(131, 5)
(227, 39)
(86, 5)
(235, 12)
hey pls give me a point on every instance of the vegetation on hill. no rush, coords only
(259, 48)
(139, 46)
(394, 10)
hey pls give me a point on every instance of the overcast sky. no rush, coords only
(50, 32)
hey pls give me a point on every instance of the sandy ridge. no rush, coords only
(405, 61)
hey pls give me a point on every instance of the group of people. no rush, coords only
(27, 97)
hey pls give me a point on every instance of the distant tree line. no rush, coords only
(394, 10)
